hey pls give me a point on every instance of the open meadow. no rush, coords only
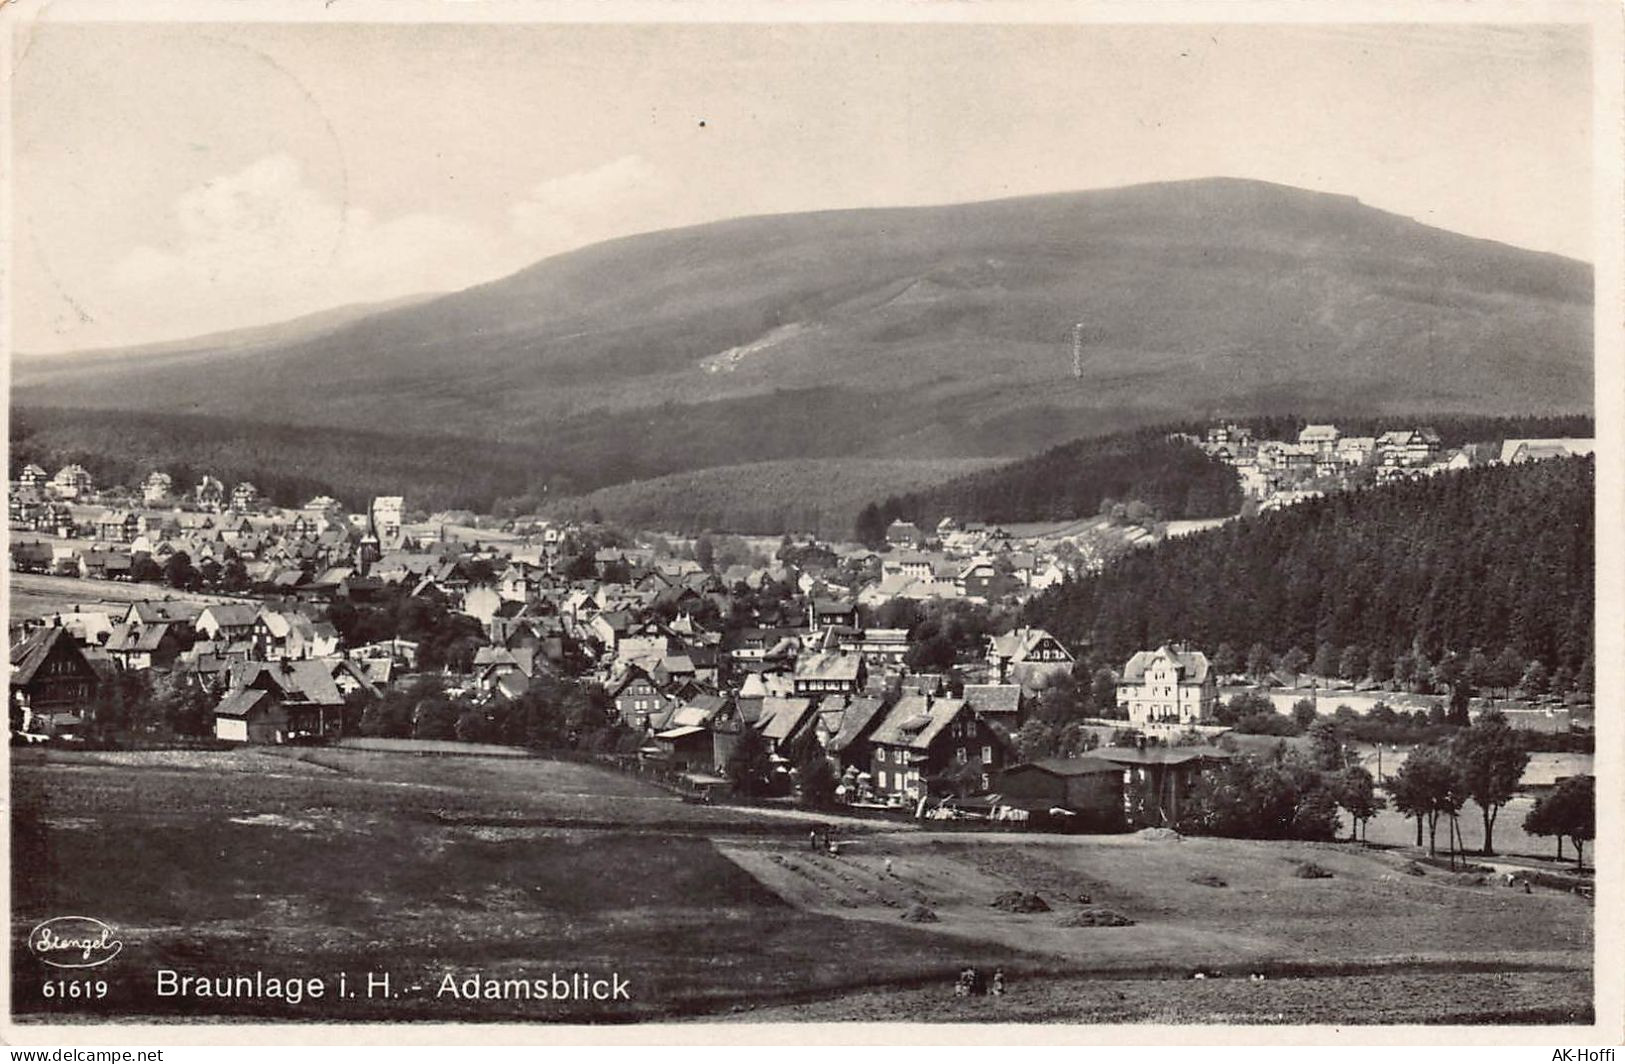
(310, 863)
(39, 594)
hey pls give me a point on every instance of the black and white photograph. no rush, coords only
(810, 516)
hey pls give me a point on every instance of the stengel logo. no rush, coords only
(74, 942)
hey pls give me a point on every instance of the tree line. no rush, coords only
(1171, 478)
(1483, 764)
(1297, 794)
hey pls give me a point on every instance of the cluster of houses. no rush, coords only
(806, 675)
(278, 549)
(1281, 472)
(40, 502)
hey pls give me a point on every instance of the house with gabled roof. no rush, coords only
(1089, 788)
(245, 498)
(72, 481)
(494, 664)
(227, 622)
(1323, 438)
(1169, 685)
(309, 680)
(830, 672)
(1514, 451)
(50, 675)
(30, 557)
(831, 613)
(1027, 656)
(33, 477)
(280, 702)
(118, 526)
(156, 488)
(608, 627)
(1158, 781)
(696, 735)
(636, 695)
(289, 634)
(1002, 702)
(784, 722)
(849, 743)
(137, 646)
(904, 534)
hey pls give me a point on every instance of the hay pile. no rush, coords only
(1095, 917)
(1016, 901)
(1310, 870)
(919, 914)
(1208, 880)
(1158, 834)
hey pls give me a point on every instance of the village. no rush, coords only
(899, 678)
(1275, 473)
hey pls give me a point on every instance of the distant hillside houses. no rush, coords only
(156, 488)
(1276, 473)
(72, 482)
(209, 494)
(1513, 451)
(245, 498)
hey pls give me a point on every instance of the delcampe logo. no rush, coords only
(74, 942)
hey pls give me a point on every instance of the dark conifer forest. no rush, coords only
(1497, 560)
(1173, 478)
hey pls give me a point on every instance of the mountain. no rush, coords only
(913, 332)
(41, 368)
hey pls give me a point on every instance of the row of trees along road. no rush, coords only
(1484, 764)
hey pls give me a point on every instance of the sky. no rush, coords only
(176, 180)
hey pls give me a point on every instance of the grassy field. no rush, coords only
(353, 862)
(311, 863)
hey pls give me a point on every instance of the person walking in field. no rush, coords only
(812, 840)
(888, 866)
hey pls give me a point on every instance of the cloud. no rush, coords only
(264, 244)
(622, 196)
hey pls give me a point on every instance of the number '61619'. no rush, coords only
(74, 988)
